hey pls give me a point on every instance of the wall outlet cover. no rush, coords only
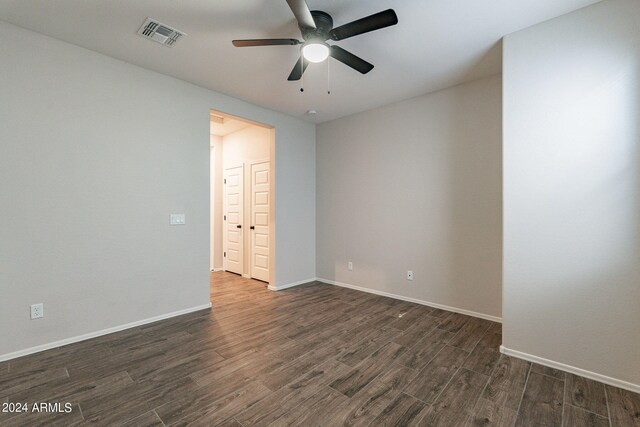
(37, 311)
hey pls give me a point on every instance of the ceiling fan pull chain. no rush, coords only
(301, 71)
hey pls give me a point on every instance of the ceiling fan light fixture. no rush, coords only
(315, 51)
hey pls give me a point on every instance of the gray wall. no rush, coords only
(416, 186)
(572, 190)
(95, 155)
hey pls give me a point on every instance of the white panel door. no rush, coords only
(260, 202)
(233, 215)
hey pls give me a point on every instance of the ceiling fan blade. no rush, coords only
(264, 42)
(298, 69)
(302, 13)
(364, 25)
(350, 59)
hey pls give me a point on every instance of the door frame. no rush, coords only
(272, 189)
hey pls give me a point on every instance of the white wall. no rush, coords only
(416, 186)
(572, 190)
(216, 202)
(241, 148)
(245, 145)
(95, 155)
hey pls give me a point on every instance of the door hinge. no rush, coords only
(225, 217)
(224, 254)
(225, 180)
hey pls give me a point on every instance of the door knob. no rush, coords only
(238, 226)
(252, 227)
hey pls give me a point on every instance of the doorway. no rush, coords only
(242, 196)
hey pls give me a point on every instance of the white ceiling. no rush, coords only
(436, 44)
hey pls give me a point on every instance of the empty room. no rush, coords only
(320, 213)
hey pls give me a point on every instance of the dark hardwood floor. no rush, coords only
(311, 355)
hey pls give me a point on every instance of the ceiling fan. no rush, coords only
(316, 28)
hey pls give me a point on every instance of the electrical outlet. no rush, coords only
(350, 266)
(37, 311)
(409, 275)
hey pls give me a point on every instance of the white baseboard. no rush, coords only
(571, 369)
(216, 269)
(290, 285)
(415, 300)
(48, 346)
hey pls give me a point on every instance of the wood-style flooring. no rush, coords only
(313, 355)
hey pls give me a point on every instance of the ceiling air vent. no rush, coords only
(160, 32)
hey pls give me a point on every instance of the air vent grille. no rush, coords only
(160, 32)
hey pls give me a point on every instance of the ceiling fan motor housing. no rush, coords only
(324, 24)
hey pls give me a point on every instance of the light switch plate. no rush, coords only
(177, 219)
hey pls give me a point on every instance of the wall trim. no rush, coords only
(291, 285)
(83, 337)
(414, 300)
(571, 369)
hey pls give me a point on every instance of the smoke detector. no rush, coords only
(161, 33)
